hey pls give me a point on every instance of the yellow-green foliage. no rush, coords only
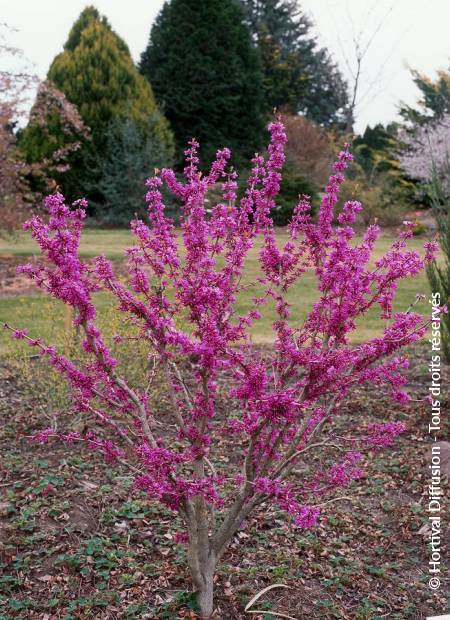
(96, 73)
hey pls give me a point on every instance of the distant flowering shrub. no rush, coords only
(426, 151)
(426, 158)
(277, 406)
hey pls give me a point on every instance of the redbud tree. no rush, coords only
(182, 296)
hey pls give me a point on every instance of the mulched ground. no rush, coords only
(12, 283)
(76, 542)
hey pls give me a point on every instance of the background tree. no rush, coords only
(374, 144)
(13, 187)
(96, 73)
(434, 101)
(376, 151)
(438, 273)
(131, 158)
(13, 192)
(299, 76)
(363, 28)
(52, 140)
(426, 152)
(206, 76)
(310, 148)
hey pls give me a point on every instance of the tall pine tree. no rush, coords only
(206, 76)
(299, 76)
(95, 72)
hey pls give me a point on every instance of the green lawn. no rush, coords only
(43, 316)
(94, 242)
(113, 242)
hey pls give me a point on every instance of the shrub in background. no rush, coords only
(375, 198)
(439, 272)
(41, 385)
(131, 156)
(52, 140)
(310, 148)
(377, 178)
(14, 189)
(181, 301)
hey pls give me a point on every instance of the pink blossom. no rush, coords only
(426, 150)
(381, 435)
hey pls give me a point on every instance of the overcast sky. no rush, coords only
(411, 33)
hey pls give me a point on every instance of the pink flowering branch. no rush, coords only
(182, 298)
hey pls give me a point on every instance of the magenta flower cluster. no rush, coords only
(182, 297)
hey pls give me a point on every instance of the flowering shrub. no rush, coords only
(182, 300)
(427, 158)
(426, 150)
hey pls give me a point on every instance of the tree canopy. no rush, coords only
(299, 75)
(206, 76)
(435, 98)
(96, 73)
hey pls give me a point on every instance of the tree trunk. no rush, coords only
(203, 576)
(201, 556)
(205, 595)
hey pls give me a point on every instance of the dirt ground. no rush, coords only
(76, 542)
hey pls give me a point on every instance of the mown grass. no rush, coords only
(111, 243)
(43, 316)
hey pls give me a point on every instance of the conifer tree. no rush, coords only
(131, 158)
(434, 101)
(96, 73)
(299, 76)
(206, 76)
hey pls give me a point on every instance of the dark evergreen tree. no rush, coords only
(96, 73)
(131, 158)
(206, 76)
(435, 98)
(376, 148)
(299, 76)
(293, 185)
